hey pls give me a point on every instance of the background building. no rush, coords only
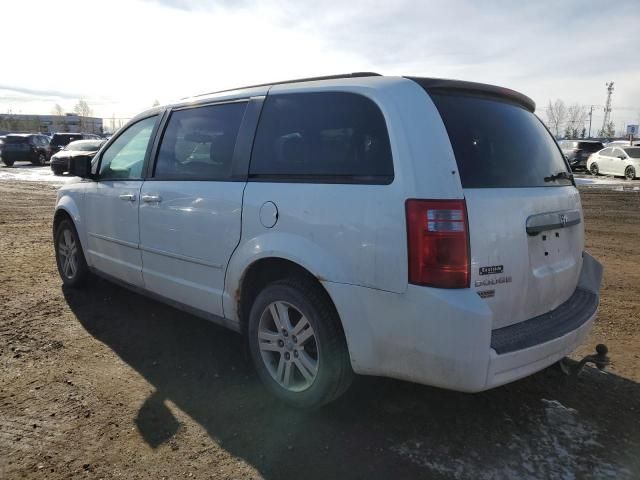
(49, 123)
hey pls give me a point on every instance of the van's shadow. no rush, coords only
(541, 427)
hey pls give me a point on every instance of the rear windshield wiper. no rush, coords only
(559, 176)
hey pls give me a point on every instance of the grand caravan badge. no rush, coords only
(493, 281)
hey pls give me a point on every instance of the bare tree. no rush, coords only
(57, 110)
(556, 116)
(609, 131)
(576, 117)
(82, 108)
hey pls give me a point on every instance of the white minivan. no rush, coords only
(421, 229)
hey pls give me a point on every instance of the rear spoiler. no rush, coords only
(436, 85)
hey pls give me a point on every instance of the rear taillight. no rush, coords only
(438, 243)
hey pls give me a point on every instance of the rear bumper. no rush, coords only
(444, 337)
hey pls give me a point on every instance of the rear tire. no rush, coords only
(297, 344)
(72, 265)
(8, 163)
(594, 169)
(630, 173)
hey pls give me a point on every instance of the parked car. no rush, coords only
(422, 229)
(578, 151)
(27, 147)
(60, 161)
(61, 140)
(617, 161)
(622, 143)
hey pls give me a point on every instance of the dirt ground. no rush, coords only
(103, 383)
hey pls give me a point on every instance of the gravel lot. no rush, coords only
(103, 383)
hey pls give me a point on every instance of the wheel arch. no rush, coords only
(67, 209)
(263, 271)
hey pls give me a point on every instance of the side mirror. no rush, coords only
(621, 157)
(80, 167)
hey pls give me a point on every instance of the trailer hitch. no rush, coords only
(599, 359)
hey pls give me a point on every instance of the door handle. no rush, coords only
(151, 198)
(129, 197)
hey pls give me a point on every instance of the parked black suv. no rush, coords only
(30, 147)
(578, 151)
(61, 140)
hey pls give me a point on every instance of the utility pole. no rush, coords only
(590, 118)
(607, 106)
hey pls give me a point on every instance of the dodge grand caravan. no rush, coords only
(422, 229)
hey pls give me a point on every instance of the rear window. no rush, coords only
(16, 139)
(591, 146)
(62, 140)
(499, 144)
(84, 145)
(332, 137)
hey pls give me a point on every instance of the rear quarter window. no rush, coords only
(333, 137)
(499, 144)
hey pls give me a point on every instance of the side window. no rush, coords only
(617, 152)
(337, 137)
(198, 143)
(607, 152)
(125, 156)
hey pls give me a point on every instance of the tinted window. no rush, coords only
(590, 146)
(198, 143)
(633, 152)
(17, 139)
(332, 136)
(60, 140)
(125, 156)
(498, 143)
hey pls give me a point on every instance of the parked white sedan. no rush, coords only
(616, 160)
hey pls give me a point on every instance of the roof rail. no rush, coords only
(297, 80)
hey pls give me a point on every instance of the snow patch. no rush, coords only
(29, 173)
(555, 444)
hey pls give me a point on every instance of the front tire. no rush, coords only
(297, 344)
(594, 169)
(7, 162)
(630, 173)
(40, 160)
(72, 265)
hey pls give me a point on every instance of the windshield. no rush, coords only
(84, 145)
(633, 152)
(499, 144)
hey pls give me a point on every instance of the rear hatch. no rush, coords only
(15, 146)
(524, 212)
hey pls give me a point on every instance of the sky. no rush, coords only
(122, 55)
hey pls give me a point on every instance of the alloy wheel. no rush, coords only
(630, 173)
(68, 254)
(288, 346)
